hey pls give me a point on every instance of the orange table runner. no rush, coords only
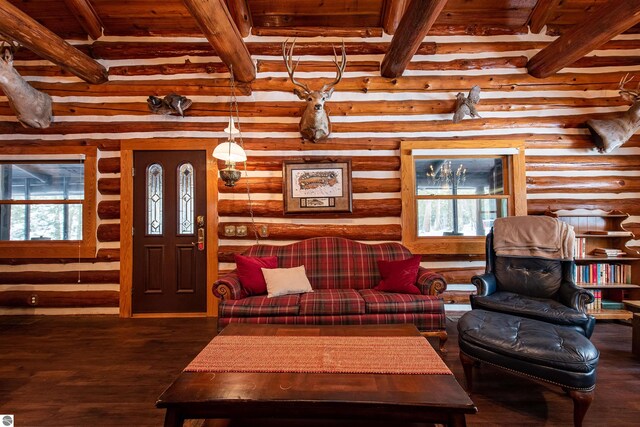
(305, 354)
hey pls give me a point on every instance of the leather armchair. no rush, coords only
(541, 289)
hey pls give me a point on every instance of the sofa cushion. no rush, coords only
(334, 262)
(399, 276)
(261, 305)
(286, 281)
(331, 302)
(250, 272)
(383, 302)
(534, 308)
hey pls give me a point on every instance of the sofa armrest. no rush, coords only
(228, 287)
(574, 296)
(485, 284)
(430, 283)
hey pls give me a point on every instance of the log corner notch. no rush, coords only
(215, 21)
(414, 26)
(600, 26)
(18, 26)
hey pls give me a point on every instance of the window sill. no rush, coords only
(447, 245)
(46, 249)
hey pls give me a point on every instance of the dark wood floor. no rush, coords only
(103, 371)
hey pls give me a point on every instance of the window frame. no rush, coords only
(85, 248)
(512, 151)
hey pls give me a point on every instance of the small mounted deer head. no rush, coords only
(611, 133)
(314, 124)
(32, 107)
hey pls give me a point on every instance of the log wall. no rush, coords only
(371, 115)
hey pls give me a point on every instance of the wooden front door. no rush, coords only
(169, 214)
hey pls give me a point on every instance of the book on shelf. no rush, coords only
(608, 252)
(602, 273)
(611, 305)
(609, 233)
(580, 247)
(596, 305)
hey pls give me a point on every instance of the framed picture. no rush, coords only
(317, 187)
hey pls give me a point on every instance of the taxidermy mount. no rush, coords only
(466, 105)
(32, 107)
(314, 123)
(171, 104)
(610, 134)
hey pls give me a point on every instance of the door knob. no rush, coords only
(200, 243)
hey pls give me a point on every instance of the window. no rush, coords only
(186, 212)
(452, 195)
(47, 202)
(155, 196)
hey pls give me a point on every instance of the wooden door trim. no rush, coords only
(126, 216)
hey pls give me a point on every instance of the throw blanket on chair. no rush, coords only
(533, 236)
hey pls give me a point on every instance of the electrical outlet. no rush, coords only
(33, 299)
(241, 230)
(229, 230)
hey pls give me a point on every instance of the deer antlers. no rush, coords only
(8, 44)
(287, 54)
(634, 95)
(339, 68)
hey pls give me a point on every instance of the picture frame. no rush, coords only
(316, 187)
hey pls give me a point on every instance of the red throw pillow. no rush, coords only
(399, 276)
(250, 273)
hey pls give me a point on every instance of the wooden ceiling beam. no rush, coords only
(241, 14)
(20, 27)
(86, 16)
(217, 25)
(414, 26)
(317, 31)
(541, 13)
(393, 11)
(600, 26)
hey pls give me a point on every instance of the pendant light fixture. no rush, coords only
(231, 151)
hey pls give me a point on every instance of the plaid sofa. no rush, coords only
(342, 273)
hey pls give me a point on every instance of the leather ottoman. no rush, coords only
(555, 354)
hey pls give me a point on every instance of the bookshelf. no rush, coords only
(605, 265)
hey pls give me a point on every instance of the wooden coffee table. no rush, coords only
(239, 395)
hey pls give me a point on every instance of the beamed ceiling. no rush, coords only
(584, 24)
(171, 17)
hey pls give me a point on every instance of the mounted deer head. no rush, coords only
(33, 108)
(314, 124)
(611, 133)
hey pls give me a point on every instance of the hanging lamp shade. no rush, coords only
(229, 152)
(231, 129)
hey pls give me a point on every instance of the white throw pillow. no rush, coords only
(285, 281)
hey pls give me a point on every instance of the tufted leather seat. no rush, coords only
(541, 289)
(556, 354)
(546, 310)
